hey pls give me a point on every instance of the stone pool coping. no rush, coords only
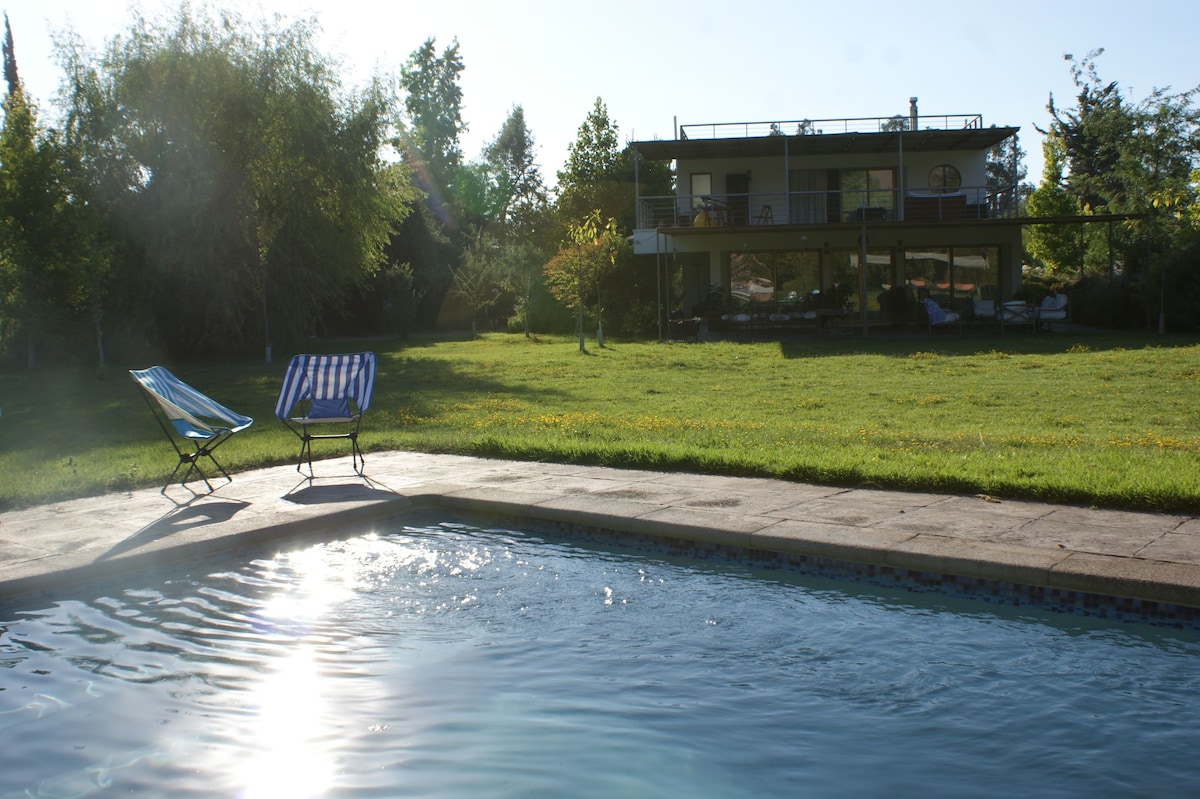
(1144, 556)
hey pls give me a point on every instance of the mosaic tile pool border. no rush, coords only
(1120, 610)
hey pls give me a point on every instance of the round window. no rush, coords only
(944, 177)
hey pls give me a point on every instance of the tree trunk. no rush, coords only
(599, 319)
(582, 347)
(100, 340)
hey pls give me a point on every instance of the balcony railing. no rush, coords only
(817, 127)
(825, 207)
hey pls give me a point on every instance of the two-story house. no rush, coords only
(862, 218)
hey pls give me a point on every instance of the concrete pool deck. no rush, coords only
(1146, 556)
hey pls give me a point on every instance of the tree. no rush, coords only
(1093, 134)
(567, 279)
(11, 78)
(434, 105)
(247, 181)
(1006, 171)
(589, 255)
(521, 263)
(26, 205)
(589, 179)
(482, 193)
(511, 155)
(1127, 158)
(52, 267)
(1056, 246)
(325, 203)
(478, 281)
(600, 177)
(436, 235)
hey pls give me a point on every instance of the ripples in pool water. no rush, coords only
(453, 661)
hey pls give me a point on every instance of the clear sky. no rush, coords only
(656, 63)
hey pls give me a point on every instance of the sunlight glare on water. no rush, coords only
(454, 661)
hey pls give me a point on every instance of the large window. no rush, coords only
(952, 276)
(779, 277)
(868, 189)
(846, 283)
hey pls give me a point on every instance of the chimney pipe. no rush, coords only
(912, 113)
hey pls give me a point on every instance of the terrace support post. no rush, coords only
(637, 191)
(787, 182)
(862, 275)
(658, 283)
(1162, 289)
(1082, 251)
(1112, 272)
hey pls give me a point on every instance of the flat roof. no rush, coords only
(824, 144)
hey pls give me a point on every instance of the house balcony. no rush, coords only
(852, 207)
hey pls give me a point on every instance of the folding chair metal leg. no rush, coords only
(356, 452)
(191, 460)
(305, 453)
(357, 460)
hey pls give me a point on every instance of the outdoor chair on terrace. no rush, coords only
(1016, 312)
(202, 423)
(329, 393)
(1053, 308)
(938, 316)
(984, 310)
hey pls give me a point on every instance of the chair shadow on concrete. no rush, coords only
(363, 489)
(182, 517)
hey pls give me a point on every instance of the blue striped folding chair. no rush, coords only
(328, 393)
(191, 418)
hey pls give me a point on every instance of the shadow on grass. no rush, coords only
(903, 342)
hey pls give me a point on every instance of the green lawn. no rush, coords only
(1093, 418)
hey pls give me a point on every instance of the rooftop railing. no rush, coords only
(817, 127)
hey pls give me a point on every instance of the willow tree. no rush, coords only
(249, 182)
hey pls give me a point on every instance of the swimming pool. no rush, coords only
(450, 660)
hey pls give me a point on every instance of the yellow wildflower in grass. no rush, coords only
(1153, 441)
(921, 400)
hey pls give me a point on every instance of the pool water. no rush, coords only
(455, 661)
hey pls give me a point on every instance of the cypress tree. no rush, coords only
(10, 60)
